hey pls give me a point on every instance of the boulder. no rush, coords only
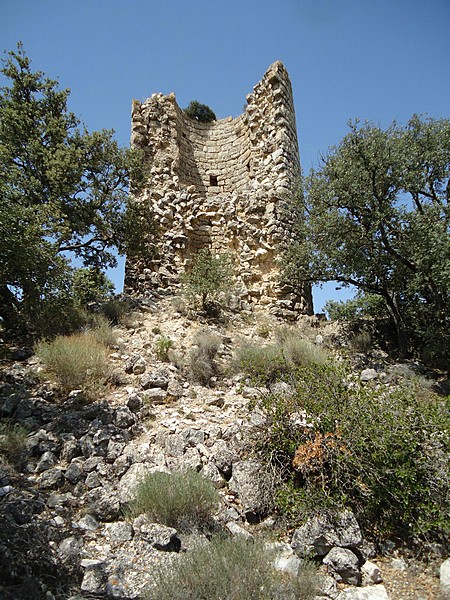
(119, 532)
(95, 578)
(444, 576)
(159, 536)
(343, 565)
(371, 573)
(371, 592)
(249, 481)
(155, 379)
(322, 533)
(130, 480)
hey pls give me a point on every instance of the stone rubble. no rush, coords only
(85, 460)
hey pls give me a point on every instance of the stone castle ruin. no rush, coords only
(224, 186)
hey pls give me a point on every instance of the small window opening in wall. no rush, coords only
(213, 180)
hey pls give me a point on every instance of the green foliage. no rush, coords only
(298, 351)
(232, 568)
(183, 499)
(382, 453)
(362, 306)
(162, 346)
(377, 218)
(90, 285)
(117, 311)
(63, 193)
(200, 112)
(202, 365)
(76, 362)
(266, 364)
(12, 440)
(101, 330)
(209, 276)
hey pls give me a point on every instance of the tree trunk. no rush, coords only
(8, 307)
(400, 329)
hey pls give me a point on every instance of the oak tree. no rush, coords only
(378, 218)
(64, 192)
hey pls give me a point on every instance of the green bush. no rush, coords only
(162, 346)
(209, 277)
(183, 499)
(298, 351)
(232, 569)
(90, 285)
(101, 329)
(363, 305)
(200, 112)
(77, 362)
(12, 440)
(117, 311)
(264, 364)
(382, 453)
(202, 365)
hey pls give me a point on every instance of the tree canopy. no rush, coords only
(63, 191)
(200, 112)
(377, 217)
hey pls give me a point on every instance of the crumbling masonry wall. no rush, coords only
(222, 185)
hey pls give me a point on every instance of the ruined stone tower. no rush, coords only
(223, 185)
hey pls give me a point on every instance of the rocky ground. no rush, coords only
(61, 506)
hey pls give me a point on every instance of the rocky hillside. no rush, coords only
(169, 407)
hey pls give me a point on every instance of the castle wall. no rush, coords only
(222, 185)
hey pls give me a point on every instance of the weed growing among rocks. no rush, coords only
(76, 362)
(162, 346)
(201, 364)
(12, 440)
(233, 568)
(183, 499)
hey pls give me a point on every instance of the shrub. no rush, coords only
(209, 276)
(200, 112)
(361, 306)
(202, 365)
(12, 440)
(162, 346)
(383, 453)
(300, 352)
(264, 364)
(183, 499)
(361, 342)
(77, 362)
(232, 568)
(101, 330)
(117, 311)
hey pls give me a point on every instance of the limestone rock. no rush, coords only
(119, 532)
(155, 379)
(159, 536)
(371, 573)
(343, 565)
(319, 534)
(249, 481)
(444, 576)
(130, 480)
(95, 578)
(371, 592)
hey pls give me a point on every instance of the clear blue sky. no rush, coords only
(374, 59)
